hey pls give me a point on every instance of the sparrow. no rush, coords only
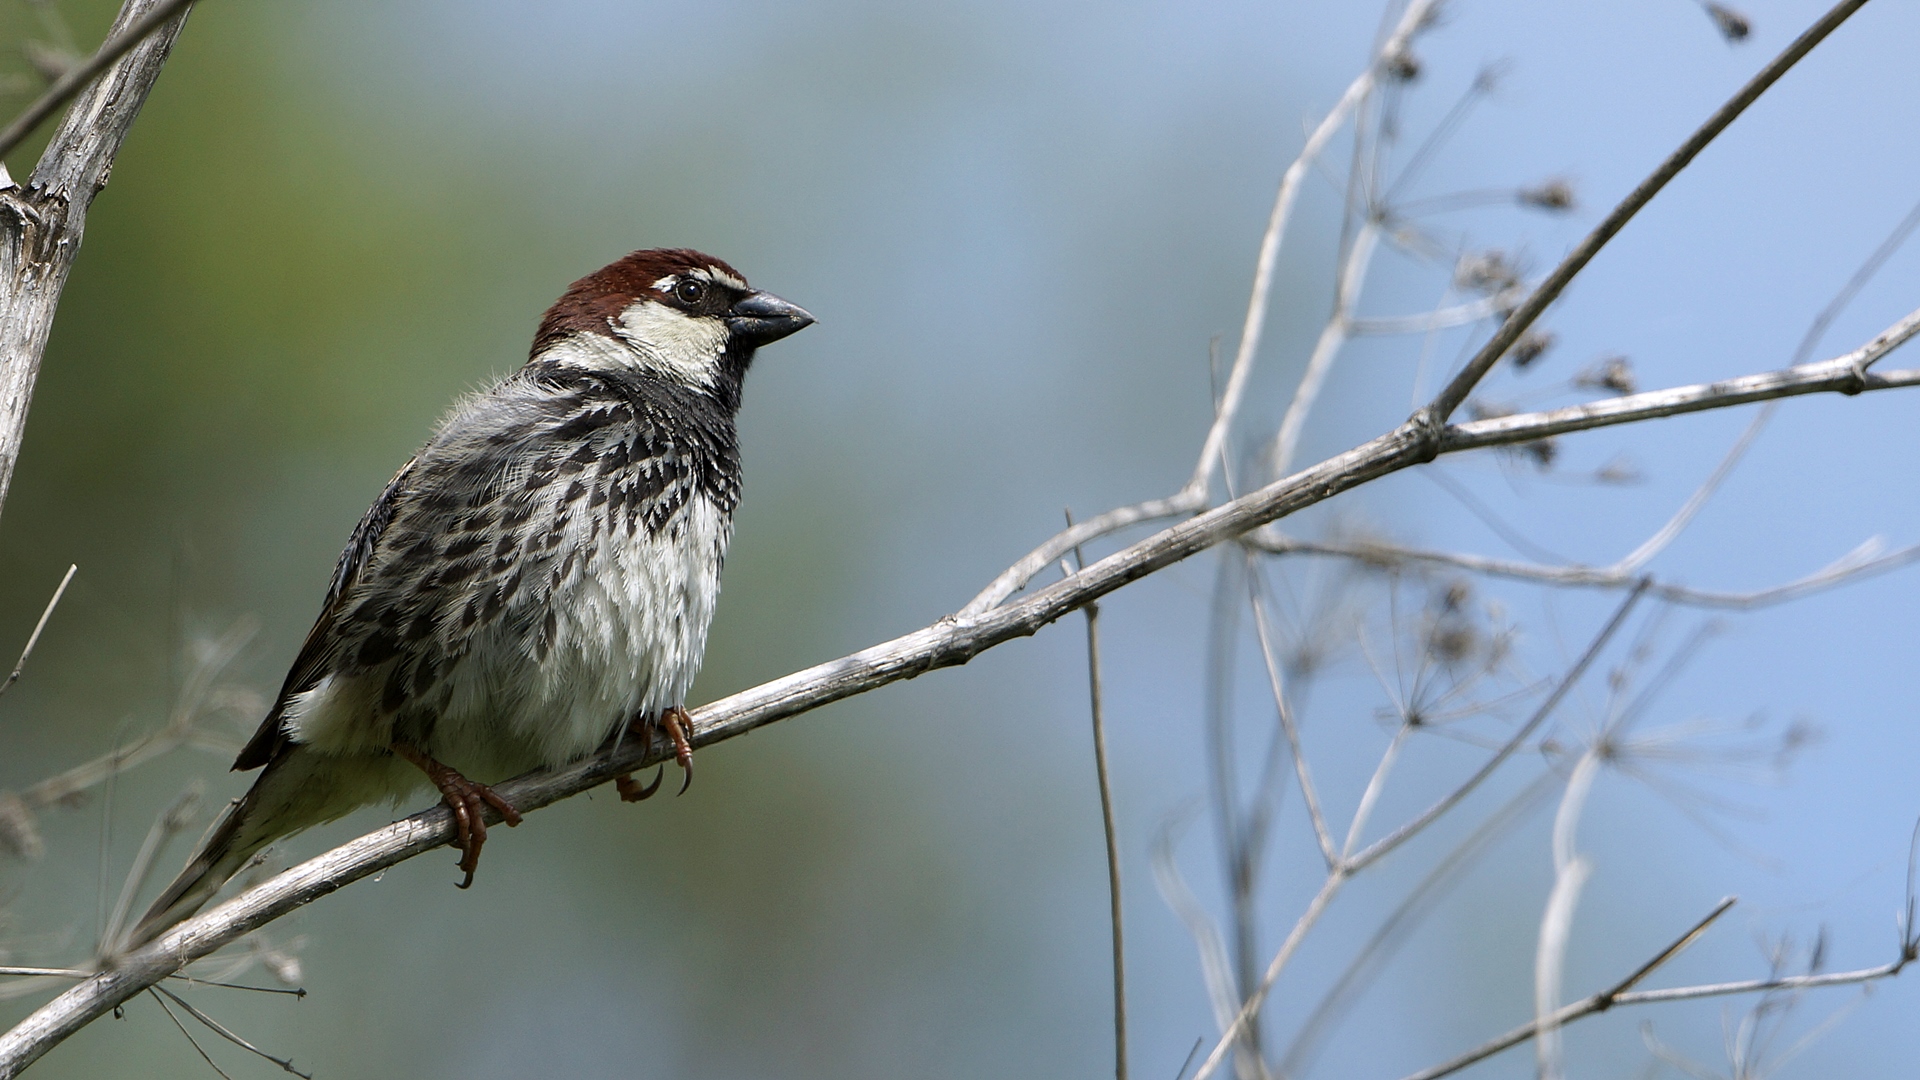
(537, 581)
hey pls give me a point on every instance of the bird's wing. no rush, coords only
(271, 737)
(477, 530)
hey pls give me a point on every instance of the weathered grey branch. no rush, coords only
(41, 224)
(71, 83)
(952, 641)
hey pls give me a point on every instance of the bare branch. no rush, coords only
(1315, 908)
(1570, 873)
(1419, 902)
(1842, 375)
(41, 224)
(1517, 323)
(1623, 994)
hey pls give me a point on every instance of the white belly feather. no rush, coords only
(630, 632)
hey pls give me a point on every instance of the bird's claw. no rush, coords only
(632, 791)
(676, 724)
(468, 799)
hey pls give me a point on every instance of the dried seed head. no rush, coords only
(185, 810)
(1732, 25)
(1452, 641)
(1542, 451)
(50, 62)
(1403, 66)
(1488, 272)
(1613, 374)
(19, 834)
(1552, 195)
(1531, 346)
(1618, 471)
(1487, 410)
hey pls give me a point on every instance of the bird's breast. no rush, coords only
(629, 623)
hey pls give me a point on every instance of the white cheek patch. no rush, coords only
(671, 343)
(589, 351)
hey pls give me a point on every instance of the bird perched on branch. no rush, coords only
(536, 581)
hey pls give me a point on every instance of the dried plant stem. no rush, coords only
(1624, 994)
(1333, 335)
(1380, 848)
(1570, 873)
(1277, 686)
(1098, 708)
(1549, 289)
(34, 638)
(1315, 908)
(1864, 561)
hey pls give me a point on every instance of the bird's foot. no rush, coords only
(676, 723)
(468, 800)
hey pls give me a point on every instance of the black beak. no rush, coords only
(761, 317)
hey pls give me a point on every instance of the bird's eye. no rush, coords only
(690, 290)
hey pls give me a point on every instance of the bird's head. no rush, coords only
(671, 313)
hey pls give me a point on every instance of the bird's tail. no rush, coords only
(280, 803)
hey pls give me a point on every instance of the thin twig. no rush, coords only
(34, 638)
(1386, 844)
(1523, 317)
(1439, 319)
(191, 1041)
(1097, 707)
(1418, 903)
(1570, 873)
(1276, 684)
(1624, 994)
(65, 87)
(1867, 559)
(1411, 22)
(1315, 908)
(164, 828)
(1326, 349)
(1214, 969)
(224, 1032)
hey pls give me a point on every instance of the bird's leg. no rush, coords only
(467, 799)
(677, 724)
